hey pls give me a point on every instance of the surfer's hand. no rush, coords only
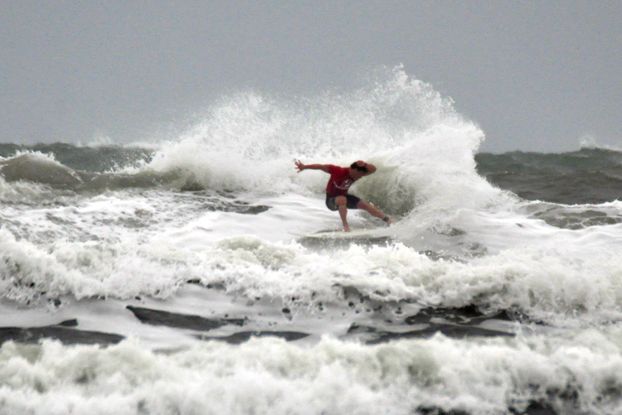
(299, 165)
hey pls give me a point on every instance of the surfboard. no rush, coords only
(339, 233)
(366, 236)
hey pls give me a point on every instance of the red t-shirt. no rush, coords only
(339, 182)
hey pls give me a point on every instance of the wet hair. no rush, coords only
(359, 168)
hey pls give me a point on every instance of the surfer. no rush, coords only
(341, 178)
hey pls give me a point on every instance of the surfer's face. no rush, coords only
(356, 174)
(359, 165)
(358, 169)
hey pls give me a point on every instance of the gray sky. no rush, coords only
(535, 75)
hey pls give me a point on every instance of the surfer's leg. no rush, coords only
(343, 211)
(352, 202)
(330, 203)
(373, 210)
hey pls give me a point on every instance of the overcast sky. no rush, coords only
(535, 75)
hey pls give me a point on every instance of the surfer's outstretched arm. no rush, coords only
(300, 166)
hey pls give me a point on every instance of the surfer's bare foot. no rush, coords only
(346, 228)
(387, 220)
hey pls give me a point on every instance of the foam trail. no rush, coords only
(270, 376)
(523, 278)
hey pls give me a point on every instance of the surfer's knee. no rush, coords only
(340, 200)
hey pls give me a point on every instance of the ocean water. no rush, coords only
(188, 276)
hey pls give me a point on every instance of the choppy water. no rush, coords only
(187, 277)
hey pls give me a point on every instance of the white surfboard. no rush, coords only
(367, 236)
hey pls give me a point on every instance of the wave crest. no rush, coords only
(421, 145)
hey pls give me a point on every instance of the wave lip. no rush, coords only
(39, 168)
(44, 169)
(105, 158)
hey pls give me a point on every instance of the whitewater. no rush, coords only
(187, 276)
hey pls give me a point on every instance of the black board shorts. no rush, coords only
(351, 203)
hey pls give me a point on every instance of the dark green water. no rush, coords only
(584, 176)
